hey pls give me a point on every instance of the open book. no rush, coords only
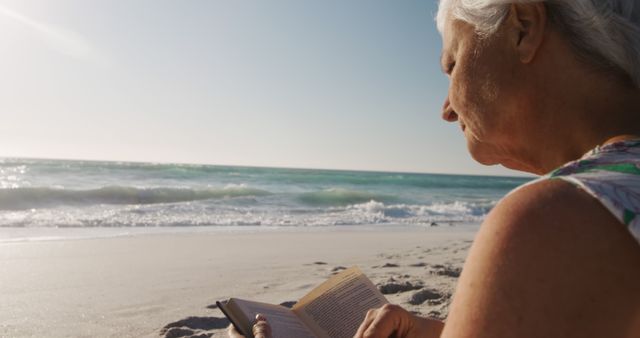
(334, 309)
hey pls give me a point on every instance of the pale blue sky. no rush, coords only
(286, 83)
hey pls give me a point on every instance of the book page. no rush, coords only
(284, 323)
(337, 307)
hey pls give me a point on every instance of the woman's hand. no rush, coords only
(392, 320)
(261, 329)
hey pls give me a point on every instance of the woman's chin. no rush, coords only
(485, 160)
(481, 154)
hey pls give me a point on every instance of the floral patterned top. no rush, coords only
(611, 174)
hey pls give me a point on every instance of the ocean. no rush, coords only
(90, 194)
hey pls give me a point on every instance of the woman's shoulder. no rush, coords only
(608, 175)
(556, 206)
(549, 201)
(562, 209)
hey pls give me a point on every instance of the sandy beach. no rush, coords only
(166, 284)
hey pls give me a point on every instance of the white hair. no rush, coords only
(604, 33)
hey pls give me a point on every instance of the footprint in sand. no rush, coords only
(393, 287)
(337, 269)
(390, 265)
(193, 325)
(431, 296)
(448, 271)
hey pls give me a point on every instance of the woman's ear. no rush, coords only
(527, 24)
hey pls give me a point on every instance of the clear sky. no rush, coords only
(285, 83)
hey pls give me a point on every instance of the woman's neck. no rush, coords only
(598, 110)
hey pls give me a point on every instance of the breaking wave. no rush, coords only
(342, 197)
(207, 214)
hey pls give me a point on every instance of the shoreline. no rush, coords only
(43, 234)
(136, 284)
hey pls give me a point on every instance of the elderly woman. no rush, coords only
(552, 88)
(548, 87)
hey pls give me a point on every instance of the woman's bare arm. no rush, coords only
(549, 261)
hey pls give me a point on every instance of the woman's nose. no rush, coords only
(447, 112)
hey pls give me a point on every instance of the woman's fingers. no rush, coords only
(261, 329)
(233, 333)
(387, 321)
(383, 322)
(393, 320)
(371, 315)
